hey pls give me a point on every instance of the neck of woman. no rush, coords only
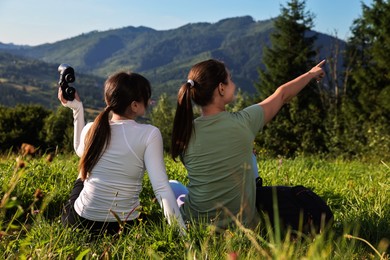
(212, 109)
(117, 117)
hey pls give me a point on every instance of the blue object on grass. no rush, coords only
(179, 190)
(254, 166)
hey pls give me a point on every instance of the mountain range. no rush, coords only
(164, 57)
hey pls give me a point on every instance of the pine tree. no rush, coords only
(367, 100)
(298, 126)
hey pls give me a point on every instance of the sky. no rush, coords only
(35, 22)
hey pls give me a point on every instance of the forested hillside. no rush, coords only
(30, 81)
(346, 115)
(164, 57)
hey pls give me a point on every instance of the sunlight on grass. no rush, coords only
(34, 191)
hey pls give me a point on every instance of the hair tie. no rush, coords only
(191, 82)
(108, 108)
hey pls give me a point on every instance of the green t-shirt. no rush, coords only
(219, 164)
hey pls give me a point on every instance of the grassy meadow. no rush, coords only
(34, 190)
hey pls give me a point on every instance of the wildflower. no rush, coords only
(38, 194)
(233, 256)
(20, 164)
(49, 157)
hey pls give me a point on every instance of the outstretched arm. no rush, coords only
(78, 116)
(283, 94)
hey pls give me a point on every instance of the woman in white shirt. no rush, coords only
(115, 152)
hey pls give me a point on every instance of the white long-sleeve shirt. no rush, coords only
(116, 180)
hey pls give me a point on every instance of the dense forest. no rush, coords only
(346, 115)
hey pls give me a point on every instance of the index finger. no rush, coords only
(321, 63)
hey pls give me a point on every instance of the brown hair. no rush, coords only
(206, 76)
(120, 90)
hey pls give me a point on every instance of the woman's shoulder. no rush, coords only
(88, 126)
(149, 128)
(253, 115)
(255, 109)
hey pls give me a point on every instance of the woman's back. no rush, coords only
(217, 148)
(219, 164)
(115, 151)
(116, 180)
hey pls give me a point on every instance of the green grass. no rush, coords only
(358, 194)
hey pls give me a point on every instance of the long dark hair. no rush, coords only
(120, 90)
(206, 76)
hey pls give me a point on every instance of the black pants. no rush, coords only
(298, 207)
(70, 218)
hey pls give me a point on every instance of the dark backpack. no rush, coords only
(298, 207)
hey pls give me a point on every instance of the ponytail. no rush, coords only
(203, 78)
(96, 141)
(183, 121)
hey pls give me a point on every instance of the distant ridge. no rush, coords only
(166, 56)
(11, 46)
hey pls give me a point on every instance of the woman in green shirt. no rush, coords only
(216, 148)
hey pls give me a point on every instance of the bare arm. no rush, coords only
(283, 94)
